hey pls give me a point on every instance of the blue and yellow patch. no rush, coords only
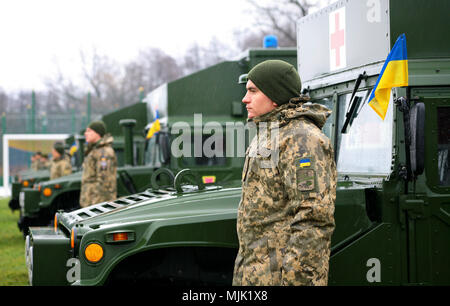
(305, 162)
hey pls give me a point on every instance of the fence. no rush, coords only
(20, 123)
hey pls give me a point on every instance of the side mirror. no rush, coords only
(417, 147)
(163, 140)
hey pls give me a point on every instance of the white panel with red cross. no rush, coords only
(337, 35)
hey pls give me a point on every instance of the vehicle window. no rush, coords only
(366, 148)
(443, 122)
(328, 127)
(214, 158)
(151, 151)
(120, 155)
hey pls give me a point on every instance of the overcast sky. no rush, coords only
(37, 33)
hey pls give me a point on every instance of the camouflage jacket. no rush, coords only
(60, 167)
(286, 214)
(99, 181)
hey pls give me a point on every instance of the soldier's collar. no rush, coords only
(278, 114)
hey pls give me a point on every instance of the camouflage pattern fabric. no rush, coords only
(39, 164)
(99, 178)
(286, 214)
(60, 167)
(35, 165)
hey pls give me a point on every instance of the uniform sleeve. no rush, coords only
(303, 166)
(106, 173)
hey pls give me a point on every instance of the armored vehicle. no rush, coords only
(192, 113)
(60, 193)
(392, 207)
(25, 179)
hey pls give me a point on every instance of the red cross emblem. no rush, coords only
(337, 39)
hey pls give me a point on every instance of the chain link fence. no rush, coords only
(23, 123)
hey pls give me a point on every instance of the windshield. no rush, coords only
(328, 127)
(209, 152)
(151, 151)
(367, 146)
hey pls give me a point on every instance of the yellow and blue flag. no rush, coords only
(393, 74)
(154, 128)
(73, 148)
(305, 162)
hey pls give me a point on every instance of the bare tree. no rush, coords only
(3, 101)
(199, 57)
(280, 17)
(151, 68)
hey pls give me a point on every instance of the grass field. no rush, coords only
(13, 271)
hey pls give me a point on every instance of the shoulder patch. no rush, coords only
(305, 179)
(103, 163)
(305, 162)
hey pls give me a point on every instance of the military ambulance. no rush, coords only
(392, 209)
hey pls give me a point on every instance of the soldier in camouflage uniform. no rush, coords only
(44, 163)
(286, 214)
(99, 181)
(60, 164)
(35, 159)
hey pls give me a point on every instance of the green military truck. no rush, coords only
(25, 179)
(204, 101)
(59, 192)
(392, 208)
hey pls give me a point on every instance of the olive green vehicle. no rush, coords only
(205, 101)
(392, 209)
(25, 179)
(39, 202)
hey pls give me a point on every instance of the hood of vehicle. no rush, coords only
(63, 179)
(155, 205)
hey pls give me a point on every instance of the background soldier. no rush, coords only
(98, 182)
(43, 162)
(285, 217)
(60, 165)
(35, 159)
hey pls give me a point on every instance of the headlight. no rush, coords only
(93, 252)
(47, 192)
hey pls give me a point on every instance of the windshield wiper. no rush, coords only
(355, 102)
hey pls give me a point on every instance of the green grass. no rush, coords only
(13, 271)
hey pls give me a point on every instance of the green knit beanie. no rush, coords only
(99, 127)
(59, 147)
(277, 79)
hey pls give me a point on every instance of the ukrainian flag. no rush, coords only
(393, 74)
(154, 128)
(73, 149)
(306, 162)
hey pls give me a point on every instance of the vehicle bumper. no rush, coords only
(29, 201)
(48, 255)
(29, 210)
